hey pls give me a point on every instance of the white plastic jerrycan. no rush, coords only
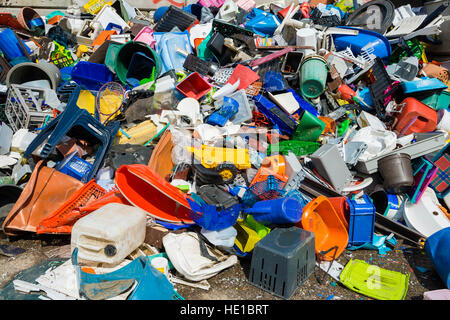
(109, 234)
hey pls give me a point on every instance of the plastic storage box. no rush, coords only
(91, 75)
(75, 167)
(282, 261)
(361, 222)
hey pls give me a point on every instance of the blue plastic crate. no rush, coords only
(92, 75)
(361, 221)
(75, 167)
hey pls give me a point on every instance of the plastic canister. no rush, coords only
(110, 233)
(313, 75)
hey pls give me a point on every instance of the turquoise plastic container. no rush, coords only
(313, 76)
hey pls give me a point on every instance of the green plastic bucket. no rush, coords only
(124, 55)
(313, 76)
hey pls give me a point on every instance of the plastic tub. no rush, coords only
(30, 71)
(75, 167)
(194, 86)
(125, 54)
(91, 75)
(277, 211)
(313, 75)
(396, 171)
(140, 67)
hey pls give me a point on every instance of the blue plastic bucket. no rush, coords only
(277, 211)
(437, 247)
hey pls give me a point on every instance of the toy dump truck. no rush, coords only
(225, 161)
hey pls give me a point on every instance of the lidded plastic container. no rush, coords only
(109, 234)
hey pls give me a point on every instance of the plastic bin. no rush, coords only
(194, 86)
(91, 75)
(361, 222)
(211, 218)
(270, 188)
(75, 167)
(282, 261)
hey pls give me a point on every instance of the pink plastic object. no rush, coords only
(247, 5)
(194, 86)
(442, 294)
(212, 3)
(271, 56)
(146, 36)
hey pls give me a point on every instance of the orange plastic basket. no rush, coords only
(320, 218)
(62, 221)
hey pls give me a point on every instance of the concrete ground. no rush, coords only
(232, 284)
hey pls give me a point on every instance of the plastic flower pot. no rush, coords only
(396, 172)
(30, 71)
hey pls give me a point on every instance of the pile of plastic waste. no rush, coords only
(170, 145)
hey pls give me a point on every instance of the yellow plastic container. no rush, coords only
(94, 6)
(138, 134)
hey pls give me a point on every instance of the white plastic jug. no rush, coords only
(109, 234)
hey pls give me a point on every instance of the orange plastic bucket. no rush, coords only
(320, 218)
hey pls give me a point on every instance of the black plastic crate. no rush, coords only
(174, 17)
(282, 261)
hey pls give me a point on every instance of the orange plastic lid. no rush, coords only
(145, 189)
(320, 218)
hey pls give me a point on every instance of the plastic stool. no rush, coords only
(76, 122)
(416, 117)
